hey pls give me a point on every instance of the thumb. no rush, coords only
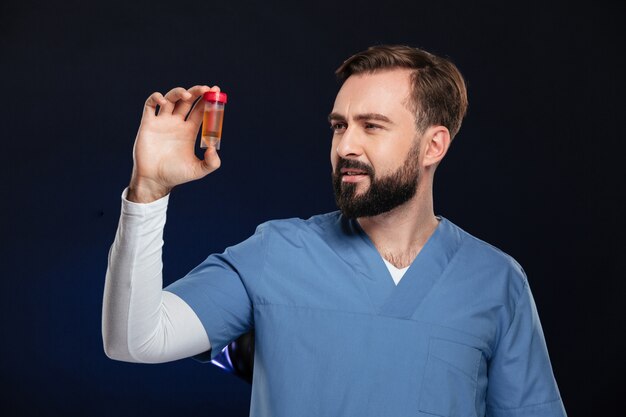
(211, 160)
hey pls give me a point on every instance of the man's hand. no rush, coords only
(164, 153)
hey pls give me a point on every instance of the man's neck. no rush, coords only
(400, 234)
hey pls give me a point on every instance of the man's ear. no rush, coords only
(436, 143)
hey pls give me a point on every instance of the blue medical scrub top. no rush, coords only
(458, 336)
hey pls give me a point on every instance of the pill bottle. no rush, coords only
(213, 118)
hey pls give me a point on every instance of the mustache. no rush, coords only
(352, 163)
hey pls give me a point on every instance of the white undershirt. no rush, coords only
(396, 273)
(140, 321)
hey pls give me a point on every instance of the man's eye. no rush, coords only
(371, 126)
(337, 126)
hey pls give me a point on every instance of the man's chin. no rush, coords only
(359, 189)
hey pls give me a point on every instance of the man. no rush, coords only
(380, 309)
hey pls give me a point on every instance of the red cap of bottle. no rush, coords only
(215, 96)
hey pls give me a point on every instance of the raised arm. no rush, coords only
(140, 321)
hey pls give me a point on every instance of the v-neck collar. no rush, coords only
(403, 299)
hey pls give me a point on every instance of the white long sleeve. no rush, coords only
(140, 321)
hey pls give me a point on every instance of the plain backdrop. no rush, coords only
(536, 170)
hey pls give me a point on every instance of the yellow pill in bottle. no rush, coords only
(213, 118)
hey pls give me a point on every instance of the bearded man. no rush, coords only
(381, 308)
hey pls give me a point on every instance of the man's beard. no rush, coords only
(384, 194)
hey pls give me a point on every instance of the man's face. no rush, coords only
(375, 148)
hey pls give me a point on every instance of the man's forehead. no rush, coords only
(381, 93)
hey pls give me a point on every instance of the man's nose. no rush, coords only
(349, 145)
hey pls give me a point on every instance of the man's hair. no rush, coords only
(439, 95)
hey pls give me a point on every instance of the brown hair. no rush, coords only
(439, 93)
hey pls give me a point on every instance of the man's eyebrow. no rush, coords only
(335, 116)
(364, 116)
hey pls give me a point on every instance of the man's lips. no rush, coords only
(353, 174)
(352, 171)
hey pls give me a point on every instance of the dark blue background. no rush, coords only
(535, 170)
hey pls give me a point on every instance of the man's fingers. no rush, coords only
(201, 89)
(155, 99)
(181, 102)
(172, 97)
(183, 106)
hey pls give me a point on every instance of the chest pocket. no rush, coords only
(450, 379)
